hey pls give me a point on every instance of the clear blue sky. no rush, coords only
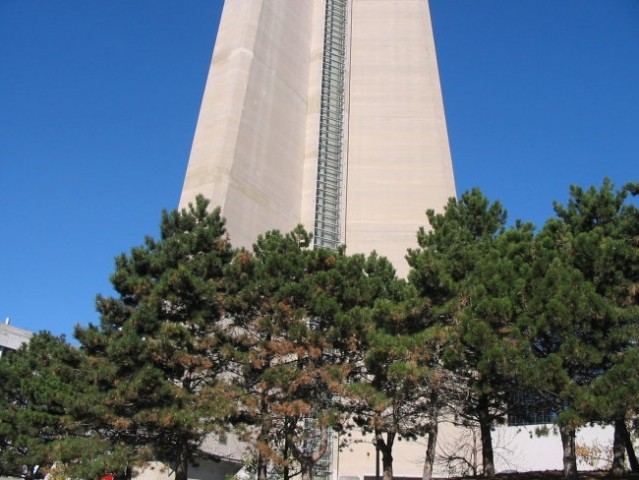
(99, 99)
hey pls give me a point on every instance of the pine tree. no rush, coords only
(42, 388)
(582, 312)
(379, 334)
(565, 321)
(282, 358)
(604, 229)
(157, 351)
(470, 269)
(397, 393)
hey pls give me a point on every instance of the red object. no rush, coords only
(107, 476)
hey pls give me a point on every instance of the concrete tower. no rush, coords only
(326, 113)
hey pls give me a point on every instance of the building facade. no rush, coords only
(12, 338)
(328, 114)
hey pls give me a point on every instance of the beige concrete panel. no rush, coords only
(390, 188)
(394, 57)
(399, 161)
(248, 152)
(267, 173)
(357, 458)
(219, 119)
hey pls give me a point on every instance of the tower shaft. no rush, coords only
(327, 113)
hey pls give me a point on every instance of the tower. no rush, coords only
(327, 113)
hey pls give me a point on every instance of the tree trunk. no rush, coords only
(429, 461)
(261, 466)
(485, 426)
(182, 461)
(309, 459)
(630, 449)
(569, 452)
(306, 470)
(285, 454)
(618, 448)
(386, 448)
(263, 439)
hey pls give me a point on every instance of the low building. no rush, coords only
(11, 338)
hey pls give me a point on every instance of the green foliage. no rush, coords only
(157, 351)
(281, 357)
(584, 302)
(580, 322)
(202, 337)
(448, 250)
(471, 268)
(42, 389)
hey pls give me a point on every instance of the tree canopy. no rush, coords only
(285, 344)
